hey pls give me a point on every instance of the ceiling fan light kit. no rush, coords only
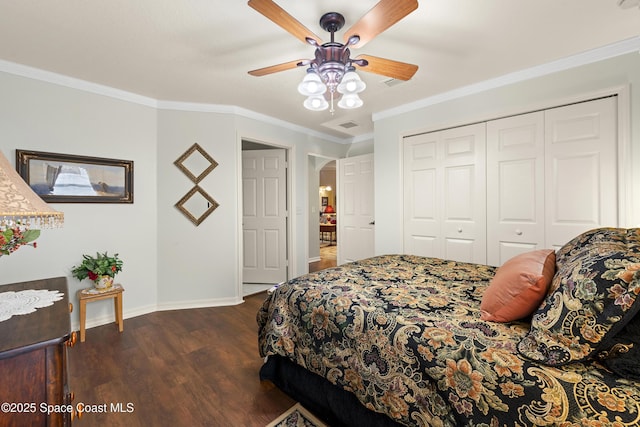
(312, 85)
(333, 70)
(316, 103)
(350, 100)
(351, 83)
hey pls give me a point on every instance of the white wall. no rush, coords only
(512, 98)
(361, 148)
(196, 263)
(168, 261)
(40, 116)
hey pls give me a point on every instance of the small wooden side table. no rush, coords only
(92, 294)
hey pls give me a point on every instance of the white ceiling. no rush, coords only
(199, 51)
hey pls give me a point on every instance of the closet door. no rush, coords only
(581, 169)
(445, 194)
(464, 196)
(515, 183)
(422, 213)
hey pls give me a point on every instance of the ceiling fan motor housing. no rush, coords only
(332, 61)
(332, 22)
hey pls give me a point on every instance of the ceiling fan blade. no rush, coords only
(382, 16)
(280, 17)
(277, 68)
(387, 67)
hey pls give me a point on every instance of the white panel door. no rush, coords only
(355, 208)
(422, 213)
(444, 194)
(515, 186)
(264, 216)
(581, 169)
(464, 196)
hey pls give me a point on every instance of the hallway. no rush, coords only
(328, 258)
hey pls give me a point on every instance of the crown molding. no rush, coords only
(588, 57)
(243, 112)
(73, 83)
(362, 138)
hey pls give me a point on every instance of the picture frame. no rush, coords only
(196, 163)
(67, 178)
(325, 201)
(197, 205)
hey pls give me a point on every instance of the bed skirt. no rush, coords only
(336, 407)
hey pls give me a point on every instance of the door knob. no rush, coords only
(519, 232)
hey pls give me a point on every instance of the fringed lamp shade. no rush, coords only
(20, 204)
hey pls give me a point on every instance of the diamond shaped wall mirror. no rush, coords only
(197, 205)
(196, 163)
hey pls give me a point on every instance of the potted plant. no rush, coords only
(101, 268)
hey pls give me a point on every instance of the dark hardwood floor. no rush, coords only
(196, 367)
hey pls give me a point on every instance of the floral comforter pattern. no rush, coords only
(404, 334)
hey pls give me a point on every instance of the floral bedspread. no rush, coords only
(404, 334)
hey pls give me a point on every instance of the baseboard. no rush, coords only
(314, 259)
(181, 305)
(110, 318)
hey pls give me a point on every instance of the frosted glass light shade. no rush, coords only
(351, 83)
(316, 103)
(350, 100)
(312, 85)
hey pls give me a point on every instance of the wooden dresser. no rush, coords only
(34, 387)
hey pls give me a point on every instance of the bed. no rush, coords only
(404, 340)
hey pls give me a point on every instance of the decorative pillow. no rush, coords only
(592, 297)
(622, 354)
(519, 286)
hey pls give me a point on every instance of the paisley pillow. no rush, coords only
(594, 294)
(622, 352)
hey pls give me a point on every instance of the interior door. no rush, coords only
(445, 194)
(464, 197)
(264, 216)
(422, 213)
(581, 169)
(355, 208)
(515, 183)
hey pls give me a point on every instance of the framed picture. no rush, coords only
(65, 178)
(325, 201)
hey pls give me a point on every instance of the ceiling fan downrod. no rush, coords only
(333, 59)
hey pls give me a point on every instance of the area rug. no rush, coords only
(296, 416)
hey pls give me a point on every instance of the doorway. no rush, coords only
(323, 228)
(265, 221)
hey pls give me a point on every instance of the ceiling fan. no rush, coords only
(332, 69)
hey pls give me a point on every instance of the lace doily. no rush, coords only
(25, 302)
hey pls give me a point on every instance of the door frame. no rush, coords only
(308, 201)
(290, 196)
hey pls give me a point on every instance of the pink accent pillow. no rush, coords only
(519, 286)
